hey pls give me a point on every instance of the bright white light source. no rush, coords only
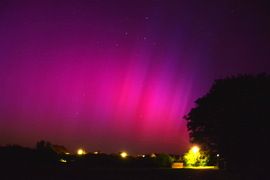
(195, 149)
(123, 154)
(80, 152)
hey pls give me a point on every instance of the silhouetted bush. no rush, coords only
(164, 160)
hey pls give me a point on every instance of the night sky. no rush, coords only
(119, 75)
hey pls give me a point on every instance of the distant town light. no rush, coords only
(63, 160)
(81, 152)
(123, 154)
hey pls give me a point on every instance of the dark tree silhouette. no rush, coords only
(164, 160)
(41, 145)
(45, 152)
(233, 119)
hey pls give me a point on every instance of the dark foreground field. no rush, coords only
(127, 173)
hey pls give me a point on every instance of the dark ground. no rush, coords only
(67, 173)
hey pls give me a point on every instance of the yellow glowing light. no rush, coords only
(80, 152)
(63, 160)
(195, 149)
(123, 154)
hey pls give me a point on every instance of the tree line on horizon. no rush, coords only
(44, 154)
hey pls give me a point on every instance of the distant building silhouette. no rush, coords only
(60, 149)
(99, 152)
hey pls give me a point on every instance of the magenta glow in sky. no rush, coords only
(119, 75)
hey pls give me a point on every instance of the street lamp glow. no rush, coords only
(123, 154)
(80, 152)
(195, 149)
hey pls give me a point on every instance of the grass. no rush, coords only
(67, 173)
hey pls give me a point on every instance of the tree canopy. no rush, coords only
(233, 119)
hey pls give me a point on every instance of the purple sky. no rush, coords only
(119, 75)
